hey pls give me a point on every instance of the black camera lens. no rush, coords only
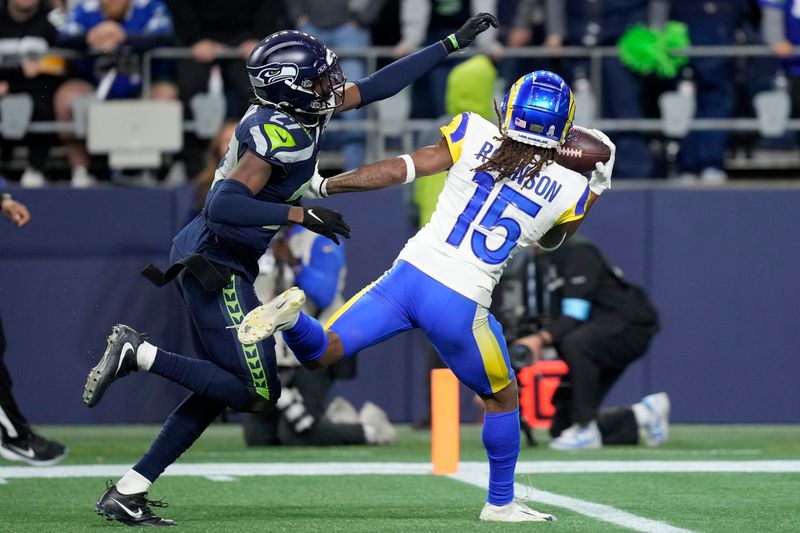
(520, 356)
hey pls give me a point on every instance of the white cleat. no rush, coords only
(657, 431)
(378, 429)
(577, 437)
(276, 315)
(340, 411)
(515, 511)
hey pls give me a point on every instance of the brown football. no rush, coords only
(581, 150)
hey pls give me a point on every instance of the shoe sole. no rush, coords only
(102, 375)
(575, 448)
(663, 433)
(111, 516)
(9, 455)
(533, 519)
(535, 516)
(266, 319)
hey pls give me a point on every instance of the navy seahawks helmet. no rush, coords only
(294, 70)
(538, 109)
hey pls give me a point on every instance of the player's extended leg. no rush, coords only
(470, 341)
(240, 376)
(375, 314)
(126, 501)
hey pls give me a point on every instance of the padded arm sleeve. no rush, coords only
(320, 277)
(394, 77)
(232, 203)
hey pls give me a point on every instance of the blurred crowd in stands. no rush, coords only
(108, 37)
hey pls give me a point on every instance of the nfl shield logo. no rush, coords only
(552, 130)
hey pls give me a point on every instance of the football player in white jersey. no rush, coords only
(503, 191)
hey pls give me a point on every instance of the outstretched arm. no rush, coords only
(424, 162)
(391, 79)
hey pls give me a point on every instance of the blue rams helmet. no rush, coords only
(538, 109)
(294, 70)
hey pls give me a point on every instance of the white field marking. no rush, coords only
(605, 513)
(220, 478)
(349, 468)
(3, 481)
(226, 469)
(585, 467)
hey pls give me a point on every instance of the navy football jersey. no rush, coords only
(292, 150)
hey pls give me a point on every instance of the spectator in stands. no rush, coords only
(340, 24)
(19, 442)
(299, 257)
(593, 23)
(521, 24)
(27, 32)
(213, 29)
(710, 23)
(599, 323)
(425, 22)
(114, 32)
(780, 24)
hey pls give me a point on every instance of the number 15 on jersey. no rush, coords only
(492, 219)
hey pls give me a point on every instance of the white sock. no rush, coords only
(644, 416)
(133, 483)
(145, 356)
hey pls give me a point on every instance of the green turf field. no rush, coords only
(647, 501)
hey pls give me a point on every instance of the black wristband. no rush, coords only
(450, 43)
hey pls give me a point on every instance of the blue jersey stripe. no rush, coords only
(461, 130)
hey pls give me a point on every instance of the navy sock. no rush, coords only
(182, 428)
(307, 339)
(205, 378)
(501, 439)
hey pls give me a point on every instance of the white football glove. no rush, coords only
(316, 189)
(601, 176)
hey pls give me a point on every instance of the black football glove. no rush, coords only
(326, 222)
(467, 33)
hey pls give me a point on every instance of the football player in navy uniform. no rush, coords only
(297, 84)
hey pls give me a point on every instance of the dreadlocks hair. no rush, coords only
(512, 157)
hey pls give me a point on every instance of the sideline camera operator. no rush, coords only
(599, 323)
(299, 257)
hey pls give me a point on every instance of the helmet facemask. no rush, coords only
(328, 89)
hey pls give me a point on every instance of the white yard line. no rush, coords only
(338, 469)
(581, 467)
(606, 513)
(473, 473)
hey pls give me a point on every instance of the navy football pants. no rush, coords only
(225, 373)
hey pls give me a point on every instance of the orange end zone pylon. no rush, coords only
(445, 422)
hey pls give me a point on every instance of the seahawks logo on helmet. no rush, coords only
(274, 73)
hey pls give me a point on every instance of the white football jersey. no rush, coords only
(478, 223)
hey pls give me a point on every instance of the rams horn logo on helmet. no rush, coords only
(275, 72)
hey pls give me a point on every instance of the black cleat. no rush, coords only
(118, 361)
(130, 509)
(33, 449)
